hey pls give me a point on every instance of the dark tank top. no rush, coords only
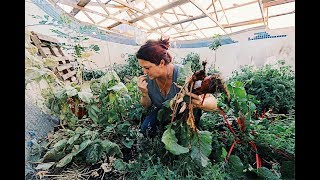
(154, 92)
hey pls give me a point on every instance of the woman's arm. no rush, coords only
(210, 103)
(145, 100)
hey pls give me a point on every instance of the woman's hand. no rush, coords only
(142, 85)
(206, 102)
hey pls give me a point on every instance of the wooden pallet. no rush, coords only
(50, 46)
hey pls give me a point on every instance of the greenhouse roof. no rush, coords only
(179, 19)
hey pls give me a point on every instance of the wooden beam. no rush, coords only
(277, 2)
(81, 3)
(244, 23)
(189, 16)
(147, 6)
(158, 19)
(119, 12)
(206, 13)
(177, 17)
(203, 15)
(161, 9)
(134, 14)
(89, 4)
(103, 15)
(262, 12)
(106, 16)
(85, 13)
(199, 29)
(161, 15)
(224, 12)
(214, 8)
(103, 6)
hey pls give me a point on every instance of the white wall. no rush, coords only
(230, 57)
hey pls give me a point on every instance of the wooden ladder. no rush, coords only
(50, 46)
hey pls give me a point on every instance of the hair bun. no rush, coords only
(164, 42)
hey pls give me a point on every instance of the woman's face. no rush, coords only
(152, 70)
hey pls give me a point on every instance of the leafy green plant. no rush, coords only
(78, 36)
(129, 70)
(216, 42)
(194, 59)
(89, 74)
(272, 85)
(108, 135)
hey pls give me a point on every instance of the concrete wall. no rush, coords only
(229, 57)
(258, 52)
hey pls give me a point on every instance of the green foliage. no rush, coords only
(280, 134)
(235, 166)
(194, 59)
(129, 70)
(184, 72)
(111, 130)
(272, 86)
(87, 75)
(201, 147)
(216, 42)
(170, 141)
(265, 173)
(83, 144)
(78, 39)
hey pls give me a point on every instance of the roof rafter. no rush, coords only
(108, 17)
(158, 19)
(209, 15)
(203, 15)
(274, 3)
(81, 3)
(214, 8)
(161, 15)
(224, 12)
(162, 9)
(244, 23)
(262, 10)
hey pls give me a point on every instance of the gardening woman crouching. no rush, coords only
(157, 83)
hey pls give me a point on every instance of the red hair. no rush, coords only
(154, 51)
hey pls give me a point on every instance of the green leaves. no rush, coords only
(112, 149)
(265, 173)
(65, 160)
(235, 166)
(216, 43)
(272, 84)
(201, 147)
(85, 96)
(194, 59)
(93, 152)
(93, 112)
(170, 141)
(185, 71)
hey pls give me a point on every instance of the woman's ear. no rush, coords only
(162, 62)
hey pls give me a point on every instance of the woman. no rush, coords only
(156, 85)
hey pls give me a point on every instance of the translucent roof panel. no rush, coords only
(281, 21)
(65, 7)
(82, 17)
(244, 13)
(274, 10)
(181, 19)
(107, 22)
